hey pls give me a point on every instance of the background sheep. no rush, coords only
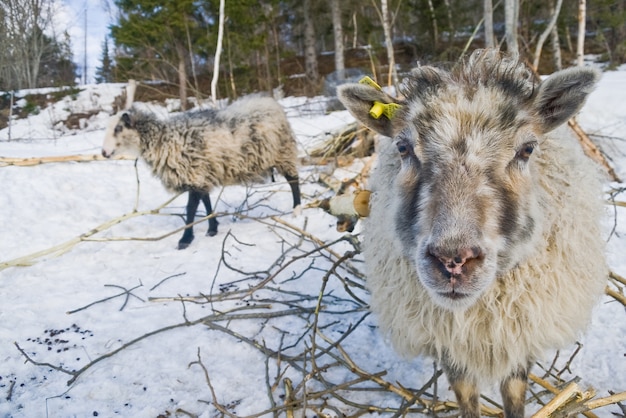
(196, 151)
(483, 246)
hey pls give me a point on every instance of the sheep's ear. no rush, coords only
(360, 99)
(126, 120)
(563, 94)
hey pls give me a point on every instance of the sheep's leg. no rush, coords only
(465, 389)
(513, 390)
(206, 199)
(295, 188)
(192, 206)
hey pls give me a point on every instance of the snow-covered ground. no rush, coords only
(228, 304)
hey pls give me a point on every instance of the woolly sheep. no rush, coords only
(198, 150)
(483, 247)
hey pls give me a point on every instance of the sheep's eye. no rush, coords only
(524, 152)
(403, 148)
(118, 129)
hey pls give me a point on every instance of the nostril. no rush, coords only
(105, 154)
(457, 261)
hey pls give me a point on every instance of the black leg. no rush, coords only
(465, 389)
(206, 199)
(513, 390)
(192, 206)
(295, 188)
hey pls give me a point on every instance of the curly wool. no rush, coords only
(200, 150)
(543, 303)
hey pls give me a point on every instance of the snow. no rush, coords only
(236, 298)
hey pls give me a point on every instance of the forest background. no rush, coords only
(300, 47)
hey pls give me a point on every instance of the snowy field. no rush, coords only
(115, 321)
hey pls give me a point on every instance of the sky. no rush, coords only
(71, 17)
(121, 323)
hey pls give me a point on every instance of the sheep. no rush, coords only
(483, 247)
(198, 150)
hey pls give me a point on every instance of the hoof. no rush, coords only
(211, 233)
(182, 244)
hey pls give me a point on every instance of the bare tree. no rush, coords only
(310, 53)
(556, 49)
(554, 10)
(24, 41)
(338, 35)
(392, 77)
(511, 14)
(218, 53)
(490, 41)
(431, 9)
(580, 45)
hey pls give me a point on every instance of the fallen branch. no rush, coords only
(592, 150)
(79, 158)
(64, 247)
(571, 393)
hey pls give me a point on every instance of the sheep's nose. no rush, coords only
(105, 154)
(459, 262)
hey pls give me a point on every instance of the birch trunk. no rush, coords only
(488, 22)
(510, 25)
(552, 24)
(431, 9)
(182, 75)
(392, 78)
(556, 49)
(218, 53)
(338, 35)
(310, 54)
(580, 45)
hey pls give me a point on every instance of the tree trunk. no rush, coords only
(490, 41)
(580, 45)
(310, 53)
(338, 35)
(218, 53)
(182, 75)
(451, 29)
(510, 25)
(433, 17)
(556, 49)
(554, 10)
(392, 78)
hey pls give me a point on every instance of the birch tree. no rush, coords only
(392, 77)
(218, 53)
(338, 35)
(490, 41)
(310, 52)
(25, 23)
(556, 49)
(511, 15)
(580, 44)
(555, 10)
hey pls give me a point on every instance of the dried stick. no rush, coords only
(592, 150)
(554, 390)
(62, 248)
(572, 392)
(78, 158)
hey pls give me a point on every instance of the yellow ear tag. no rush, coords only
(379, 108)
(387, 109)
(370, 82)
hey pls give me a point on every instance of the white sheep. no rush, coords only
(198, 150)
(483, 247)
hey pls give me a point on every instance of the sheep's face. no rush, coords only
(121, 137)
(467, 205)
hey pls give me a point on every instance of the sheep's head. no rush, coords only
(122, 137)
(467, 205)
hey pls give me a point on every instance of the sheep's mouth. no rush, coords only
(453, 295)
